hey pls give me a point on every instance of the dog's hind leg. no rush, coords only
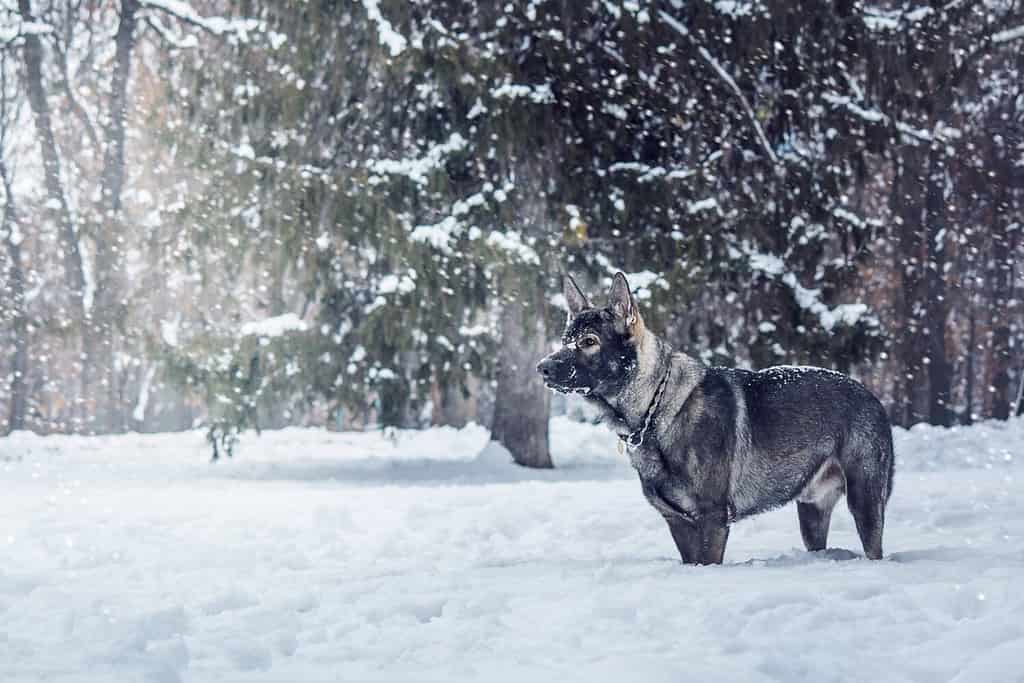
(814, 523)
(867, 490)
(815, 503)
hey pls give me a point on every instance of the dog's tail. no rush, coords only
(890, 457)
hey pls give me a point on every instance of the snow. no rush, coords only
(1010, 34)
(869, 115)
(646, 173)
(808, 299)
(511, 242)
(708, 204)
(538, 94)
(641, 282)
(438, 235)
(394, 41)
(828, 318)
(389, 284)
(169, 330)
(276, 326)
(359, 556)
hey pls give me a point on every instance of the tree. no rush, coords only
(14, 310)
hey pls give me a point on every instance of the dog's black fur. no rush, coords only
(713, 445)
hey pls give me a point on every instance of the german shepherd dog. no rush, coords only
(713, 445)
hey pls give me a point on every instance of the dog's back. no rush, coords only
(810, 434)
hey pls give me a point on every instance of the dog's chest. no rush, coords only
(647, 462)
(672, 496)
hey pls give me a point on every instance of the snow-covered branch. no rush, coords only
(170, 37)
(417, 170)
(646, 173)
(874, 116)
(12, 32)
(394, 41)
(1010, 34)
(807, 299)
(218, 26)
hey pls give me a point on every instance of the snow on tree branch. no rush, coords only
(645, 173)
(417, 170)
(394, 41)
(874, 116)
(512, 242)
(1008, 35)
(185, 42)
(12, 32)
(807, 299)
(276, 326)
(218, 26)
(538, 94)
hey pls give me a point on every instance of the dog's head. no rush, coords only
(599, 346)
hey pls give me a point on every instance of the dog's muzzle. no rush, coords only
(548, 367)
(559, 375)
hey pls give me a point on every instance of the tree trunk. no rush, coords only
(113, 162)
(522, 404)
(33, 54)
(1000, 278)
(74, 270)
(111, 410)
(936, 302)
(16, 290)
(972, 341)
(453, 406)
(906, 205)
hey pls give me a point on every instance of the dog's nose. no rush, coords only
(545, 367)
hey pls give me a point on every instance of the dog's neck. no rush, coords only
(654, 359)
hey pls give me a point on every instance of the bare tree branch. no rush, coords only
(724, 75)
(76, 106)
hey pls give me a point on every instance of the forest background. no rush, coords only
(253, 213)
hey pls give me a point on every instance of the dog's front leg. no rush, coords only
(686, 534)
(700, 541)
(714, 534)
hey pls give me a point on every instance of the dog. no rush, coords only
(713, 445)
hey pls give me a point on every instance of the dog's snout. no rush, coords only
(546, 367)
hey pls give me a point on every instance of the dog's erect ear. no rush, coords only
(623, 306)
(573, 296)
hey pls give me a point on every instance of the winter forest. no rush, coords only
(256, 214)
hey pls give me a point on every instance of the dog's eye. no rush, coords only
(588, 342)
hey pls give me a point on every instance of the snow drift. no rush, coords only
(327, 556)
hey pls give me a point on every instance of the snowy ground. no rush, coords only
(317, 556)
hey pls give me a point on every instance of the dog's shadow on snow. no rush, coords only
(797, 558)
(800, 558)
(412, 472)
